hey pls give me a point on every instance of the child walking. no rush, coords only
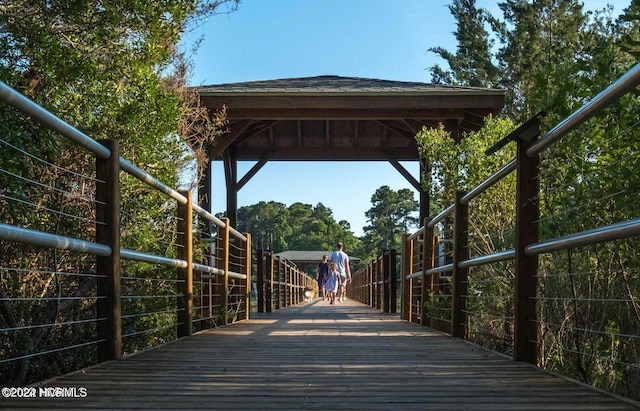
(332, 282)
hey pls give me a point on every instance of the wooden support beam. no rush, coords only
(248, 259)
(386, 281)
(254, 170)
(407, 258)
(221, 143)
(527, 232)
(231, 179)
(393, 266)
(226, 247)
(396, 164)
(425, 179)
(108, 268)
(260, 276)
(185, 275)
(427, 263)
(460, 276)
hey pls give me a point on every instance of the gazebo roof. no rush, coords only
(340, 118)
(308, 257)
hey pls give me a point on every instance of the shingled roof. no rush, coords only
(340, 118)
(337, 85)
(308, 257)
(332, 118)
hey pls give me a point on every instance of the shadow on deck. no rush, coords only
(317, 356)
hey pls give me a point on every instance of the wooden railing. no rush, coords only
(527, 299)
(376, 284)
(280, 284)
(84, 296)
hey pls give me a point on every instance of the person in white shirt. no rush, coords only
(342, 262)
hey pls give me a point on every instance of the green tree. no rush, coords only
(114, 70)
(471, 64)
(268, 223)
(555, 56)
(538, 44)
(392, 214)
(298, 227)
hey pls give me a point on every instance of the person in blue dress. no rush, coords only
(331, 285)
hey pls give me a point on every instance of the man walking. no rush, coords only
(342, 261)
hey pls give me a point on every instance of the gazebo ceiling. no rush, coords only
(340, 118)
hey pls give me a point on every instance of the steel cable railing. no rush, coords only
(80, 265)
(562, 290)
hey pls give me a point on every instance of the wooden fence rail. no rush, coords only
(376, 284)
(280, 284)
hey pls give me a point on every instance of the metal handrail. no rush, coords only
(150, 258)
(490, 181)
(38, 238)
(489, 258)
(610, 232)
(629, 81)
(443, 214)
(43, 116)
(49, 120)
(184, 278)
(152, 181)
(435, 270)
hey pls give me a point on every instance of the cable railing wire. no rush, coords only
(132, 300)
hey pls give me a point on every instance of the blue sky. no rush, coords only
(265, 40)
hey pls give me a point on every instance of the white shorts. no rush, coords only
(343, 279)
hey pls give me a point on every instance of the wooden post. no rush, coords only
(269, 292)
(460, 275)
(247, 266)
(405, 295)
(393, 282)
(185, 275)
(226, 230)
(230, 163)
(108, 268)
(278, 296)
(384, 281)
(526, 283)
(260, 280)
(287, 282)
(435, 278)
(379, 283)
(370, 289)
(427, 263)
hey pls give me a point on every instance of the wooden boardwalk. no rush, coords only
(320, 357)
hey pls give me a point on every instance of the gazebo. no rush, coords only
(308, 259)
(335, 118)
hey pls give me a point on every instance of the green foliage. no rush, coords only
(114, 71)
(392, 214)
(472, 63)
(554, 55)
(301, 227)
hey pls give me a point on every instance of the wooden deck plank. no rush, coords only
(319, 357)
